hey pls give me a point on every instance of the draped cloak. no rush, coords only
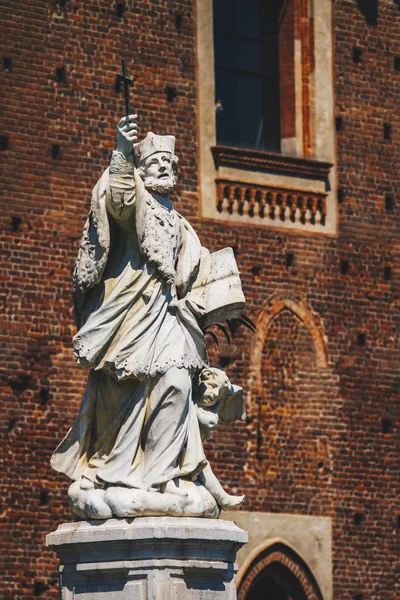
(137, 424)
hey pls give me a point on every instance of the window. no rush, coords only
(265, 110)
(246, 52)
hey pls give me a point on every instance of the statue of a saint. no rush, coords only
(136, 445)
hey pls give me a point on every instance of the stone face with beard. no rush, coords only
(156, 162)
(158, 173)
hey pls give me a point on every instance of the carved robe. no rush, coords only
(136, 257)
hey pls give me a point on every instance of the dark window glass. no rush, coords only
(247, 73)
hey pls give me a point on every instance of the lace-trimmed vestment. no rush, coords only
(127, 327)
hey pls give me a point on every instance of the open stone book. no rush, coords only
(218, 288)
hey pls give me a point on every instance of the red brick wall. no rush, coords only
(314, 442)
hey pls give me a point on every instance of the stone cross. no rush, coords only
(127, 81)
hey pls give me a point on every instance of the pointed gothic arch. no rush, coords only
(275, 305)
(275, 570)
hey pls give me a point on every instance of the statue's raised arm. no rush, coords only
(121, 189)
(144, 291)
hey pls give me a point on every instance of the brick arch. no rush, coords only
(272, 554)
(271, 310)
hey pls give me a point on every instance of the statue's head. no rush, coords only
(213, 386)
(156, 162)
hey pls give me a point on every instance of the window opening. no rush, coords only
(246, 46)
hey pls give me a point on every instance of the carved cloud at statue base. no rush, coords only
(194, 501)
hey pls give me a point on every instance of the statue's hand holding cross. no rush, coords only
(127, 134)
(127, 127)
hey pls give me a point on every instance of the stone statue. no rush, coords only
(144, 292)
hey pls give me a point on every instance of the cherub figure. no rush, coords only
(216, 397)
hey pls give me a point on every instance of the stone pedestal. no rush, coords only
(148, 558)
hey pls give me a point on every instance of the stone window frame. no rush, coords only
(296, 191)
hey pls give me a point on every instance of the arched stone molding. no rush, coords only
(279, 553)
(275, 305)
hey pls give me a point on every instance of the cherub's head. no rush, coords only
(213, 386)
(156, 162)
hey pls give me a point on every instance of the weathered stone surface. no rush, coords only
(149, 558)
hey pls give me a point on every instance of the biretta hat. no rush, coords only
(154, 143)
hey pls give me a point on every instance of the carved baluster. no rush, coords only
(272, 205)
(231, 199)
(226, 203)
(302, 207)
(260, 200)
(313, 210)
(308, 208)
(268, 202)
(281, 202)
(222, 197)
(238, 199)
(250, 206)
(245, 205)
(288, 208)
(297, 212)
(323, 211)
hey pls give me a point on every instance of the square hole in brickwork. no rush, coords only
(120, 8)
(387, 131)
(11, 425)
(398, 521)
(171, 93)
(387, 273)
(341, 196)
(387, 426)
(178, 21)
(357, 597)
(256, 272)
(117, 85)
(44, 497)
(56, 152)
(16, 223)
(39, 588)
(361, 339)
(389, 203)
(344, 267)
(357, 54)
(61, 75)
(4, 140)
(358, 518)
(225, 361)
(7, 64)
(339, 123)
(289, 260)
(397, 63)
(44, 396)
